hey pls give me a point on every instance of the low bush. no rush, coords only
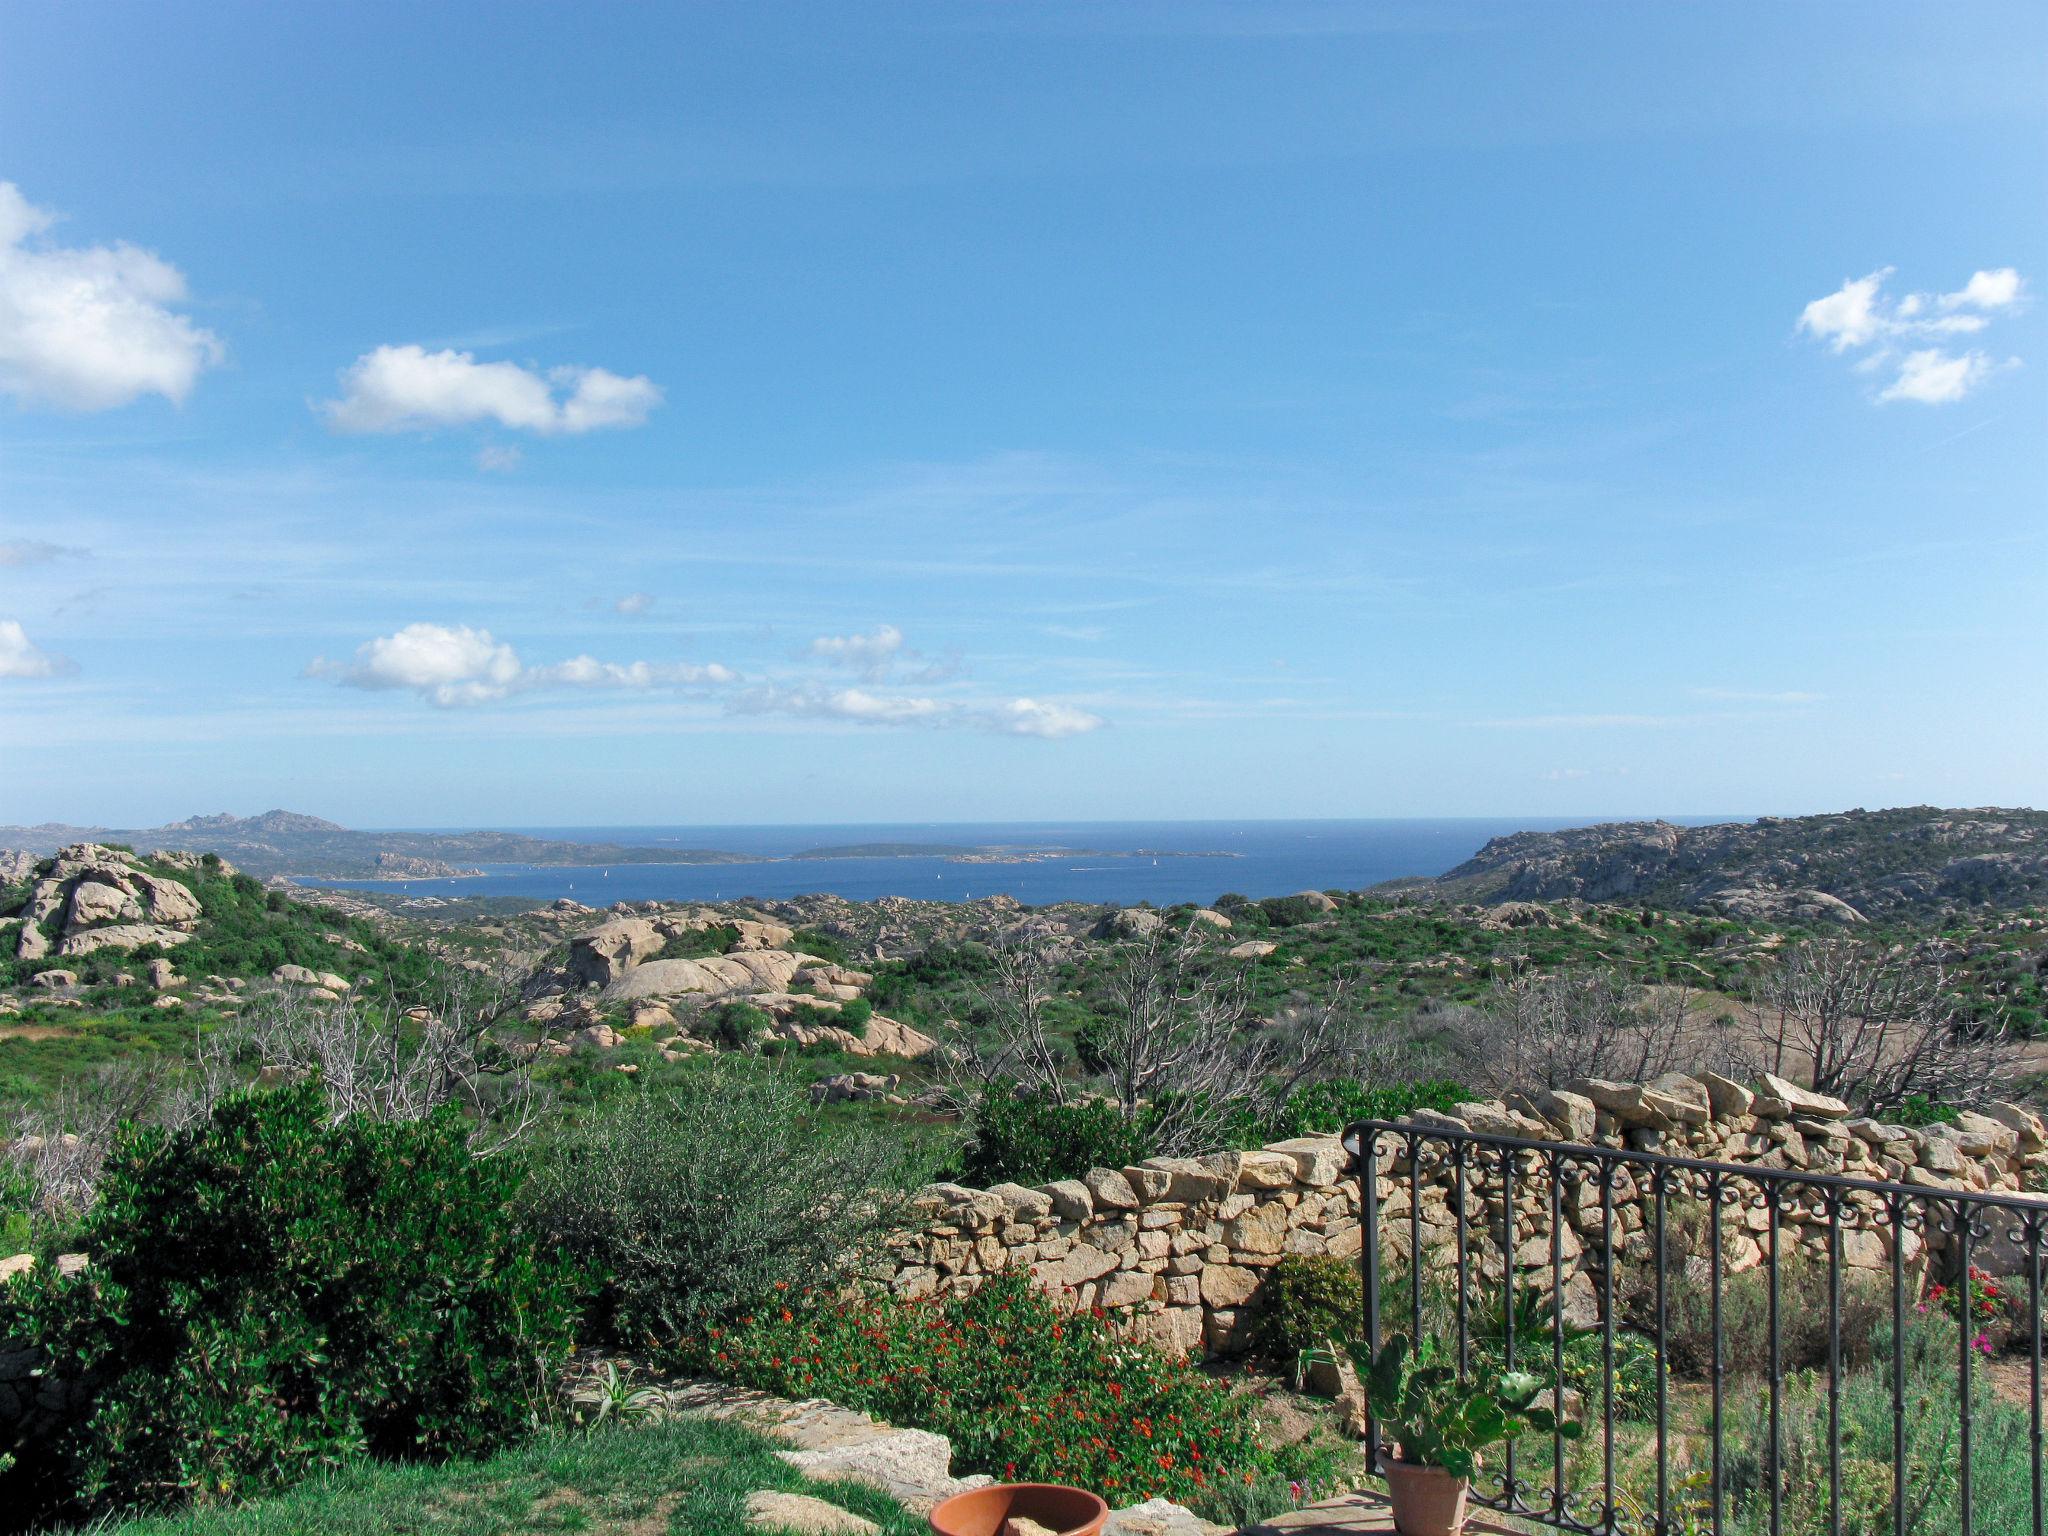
(685, 1201)
(2001, 1458)
(732, 1026)
(1030, 1138)
(1024, 1391)
(1329, 1106)
(1308, 1299)
(271, 1294)
(853, 1017)
(698, 943)
(809, 941)
(1745, 1306)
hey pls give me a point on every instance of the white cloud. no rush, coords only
(86, 328)
(633, 604)
(21, 658)
(1934, 377)
(1848, 317)
(454, 665)
(20, 552)
(499, 458)
(870, 654)
(409, 389)
(1032, 717)
(1858, 315)
(1011, 717)
(589, 672)
(1996, 289)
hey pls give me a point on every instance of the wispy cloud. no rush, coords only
(409, 389)
(454, 665)
(86, 328)
(18, 553)
(633, 604)
(1859, 315)
(1045, 719)
(870, 654)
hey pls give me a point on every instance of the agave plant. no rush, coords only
(608, 1392)
(1442, 1419)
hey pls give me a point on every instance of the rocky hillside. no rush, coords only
(1920, 862)
(95, 917)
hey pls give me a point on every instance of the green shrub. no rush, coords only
(733, 1026)
(1024, 1391)
(1028, 1138)
(1308, 1300)
(1289, 911)
(1918, 1109)
(1329, 1106)
(853, 1017)
(809, 941)
(271, 1294)
(684, 1201)
(2001, 1457)
(1745, 1304)
(698, 943)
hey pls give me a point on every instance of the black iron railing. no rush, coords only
(1519, 1252)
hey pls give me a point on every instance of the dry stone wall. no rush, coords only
(1186, 1243)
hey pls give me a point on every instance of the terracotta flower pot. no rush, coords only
(982, 1511)
(1427, 1501)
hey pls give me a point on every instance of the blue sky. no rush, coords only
(625, 414)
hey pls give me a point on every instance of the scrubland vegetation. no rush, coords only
(334, 1242)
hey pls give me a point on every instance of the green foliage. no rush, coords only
(1031, 1139)
(853, 1017)
(272, 1294)
(1308, 1299)
(1329, 1106)
(683, 1475)
(1541, 1338)
(2001, 1458)
(1290, 911)
(733, 1026)
(1918, 1109)
(684, 1202)
(699, 943)
(1024, 1391)
(1803, 1289)
(809, 941)
(929, 985)
(1439, 1418)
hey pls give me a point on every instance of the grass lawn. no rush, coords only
(685, 1476)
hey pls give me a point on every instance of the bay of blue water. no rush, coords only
(1251, 858)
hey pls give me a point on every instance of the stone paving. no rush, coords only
(915, 1467)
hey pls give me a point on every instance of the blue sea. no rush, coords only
(1251, 858)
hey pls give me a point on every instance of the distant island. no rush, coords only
(286, 845)
(959, 854)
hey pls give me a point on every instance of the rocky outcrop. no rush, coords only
(89, 897)
(1843, 868)
(761, 970)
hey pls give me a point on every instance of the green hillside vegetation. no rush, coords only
(244, 931)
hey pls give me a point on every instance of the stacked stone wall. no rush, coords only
(1186, 1243)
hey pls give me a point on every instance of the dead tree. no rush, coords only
(1872, 1027)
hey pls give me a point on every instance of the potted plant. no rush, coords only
(1434, 1422)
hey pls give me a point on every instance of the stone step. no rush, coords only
(1358, 1514)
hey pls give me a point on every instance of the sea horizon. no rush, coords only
(1161, 862)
